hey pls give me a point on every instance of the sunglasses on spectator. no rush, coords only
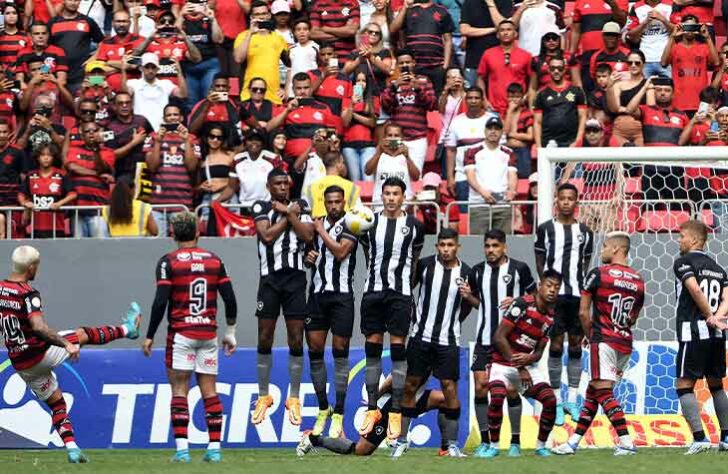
(257, 89)
(556, 68)
(167, 22)
(634, 63)
(551, 38)
(592, 130)
(87, 111)
(374, 32)
(214, 137)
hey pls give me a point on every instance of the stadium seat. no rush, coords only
(366, 190)
(662, 221)
(522, 189)
(464, 224)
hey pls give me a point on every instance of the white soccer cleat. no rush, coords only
(453, 451)
(723, 446)
(625, 450)
(399, 449)
(698, 447)
(564, 450)
(304, 446)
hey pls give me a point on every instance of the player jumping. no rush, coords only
(188, 280)
(519, 342)
(616, 292)
(35, 349)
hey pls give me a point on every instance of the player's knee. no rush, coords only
(497, 393)
(451, 413)
(481, 389)
(556, 351)
(398, 352)
(340, 352)
(315, 355)
(683, 391)
(373, 350)
(574, 352)
(545, 395)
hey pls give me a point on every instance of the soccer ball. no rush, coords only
(359, 220)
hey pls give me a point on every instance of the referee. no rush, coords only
(565, 245)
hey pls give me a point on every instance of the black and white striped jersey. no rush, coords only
(287, 251)
(567, 248)
(492, 285)
(440, 308)
(391, 246)
(330, 274)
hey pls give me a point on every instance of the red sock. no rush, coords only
(587, 412)
(544, 394)
(495, 409)
(613, 410)
(180, 417)
(213, 416)
(61, 422)
(103, 335)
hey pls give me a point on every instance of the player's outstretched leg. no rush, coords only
(497, 392)
(98, 336)
(335, 445)
(266, 331)
(64, 428)
(588, 412)
(543, 394)
(515, 408)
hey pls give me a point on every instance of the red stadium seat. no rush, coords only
(522, 189)
(662, 221)
(464, 224)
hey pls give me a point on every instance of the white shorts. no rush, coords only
(40, 378)
(417, 151)
(606, 363)
(509, 376)
(192, 355)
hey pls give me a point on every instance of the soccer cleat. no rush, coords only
(453, 451)
(132, 320)
(625, 450)
(723, 445)
(321, 418)
(336, 429)
(212, 456)
(399, 448)
(491, 452)
(559, 415)
(261, 406)
(293, 405)
(183, 455)
(394, 426)
(698, 447)
(76, 456)
(304, 446)
(514, 451)
(564, 449)
(573, 410)
(543, 452)
(480, 450)
(442, 452)
(371, 418)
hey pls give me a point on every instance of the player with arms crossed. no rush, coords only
(331, 306)
(392, 247)
(611, 301)
(188, 282)
(565, 245)
(491, 287)
(35, 349)
(519, 344)
(283, 228)
(702, 305)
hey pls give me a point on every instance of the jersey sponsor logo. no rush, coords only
(615, 273)
(184, 256)
(210, 362)
(684, 267)
(197, 267)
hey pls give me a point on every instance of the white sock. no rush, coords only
(214, 445)
(124, 329)
(540, 444)
(495, 445)
(626, 441)
(557, 392)
(181, 443)
(71, 445)
(574, 440)
(573, 393)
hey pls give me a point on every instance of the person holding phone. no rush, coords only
(112, 50)
(336, 21)
(200, 25)
(621, 88)
(39, 50)
(361, 118)
(392, 159)
(372, 58)
(44, 82)
(329, 84)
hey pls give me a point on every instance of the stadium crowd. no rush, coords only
(144, 108)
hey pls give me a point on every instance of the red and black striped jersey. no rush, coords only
(334, 91)
(10, 46)
(303, 121)
(529, 327)
(19, 302)
(618, 293)
(74, 36)
(591, 17)
(172, 182)
(114, 49)
(44, 191)
(540, 67)
(194, 275)
(408, 107)
(335, 14)
(12, 160)
(166, 51)
(91, 190)
(424, 27)
(616, 60)
(53, 57)
(662, 127)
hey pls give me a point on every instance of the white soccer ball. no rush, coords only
(359, 220)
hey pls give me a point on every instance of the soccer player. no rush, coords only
(616, 293)
(434, 345)
(188, 282)
(519, 343)
(702, 305)
(565, 245)
(283, 228)
(331, 306)
(494, 283)
(35, 349)
(392, 247)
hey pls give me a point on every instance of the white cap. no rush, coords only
(280, 6)
(150, 58)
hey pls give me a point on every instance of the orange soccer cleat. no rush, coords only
(261, 407)
(293, 405)
(371, 419)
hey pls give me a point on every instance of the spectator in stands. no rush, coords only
(309, 166)
(261, 49)
(697, 130)
(172, 157)
(589, 20)
(381, 15)
(44, 191)
(612, 53)
(450, 103)
(335, 176)
(142, 24)
(534, 19)
(12, 37)
(151, 94)
(9, 103)
(91, 169)
(12, 166)
(622, 87)
(597, 98)
(95, 87)
(407, 101)
(361, 117)
(232, 16)
(493, 180)
(39, 51)
(392, 159)
(249, 176)
(560, 110)
(40, 129)
(278, 143)
(690, 60)
(200, 27)
(372, 58)
(501, 66)
(429, 214)
(126, 216)
(215, 168)
(648, 26)
(41, 11)
(335, 21)
(258, 107)
(281, 11)
(128, 133)
(113, 50)
(427, 28)
(718, 180)
(454, 8)
(303, 53)
(86, 113)
(44, 82)
(74, 32)
(329, 84)
(518, 129)
(720, 75)
(540, 77)
(478, 25)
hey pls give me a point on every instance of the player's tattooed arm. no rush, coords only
(41, 329)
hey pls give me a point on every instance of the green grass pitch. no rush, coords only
(278, 461)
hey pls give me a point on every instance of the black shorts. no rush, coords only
(698, 359)
(424, 358)
(566, 319)
(333, 311)
(386, 311)
(379, 433)
(482, 358)
(284, 289)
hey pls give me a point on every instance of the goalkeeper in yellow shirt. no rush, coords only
(335, 172)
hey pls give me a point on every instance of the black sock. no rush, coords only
(485, 436)
(699, 435)
(515, 439)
